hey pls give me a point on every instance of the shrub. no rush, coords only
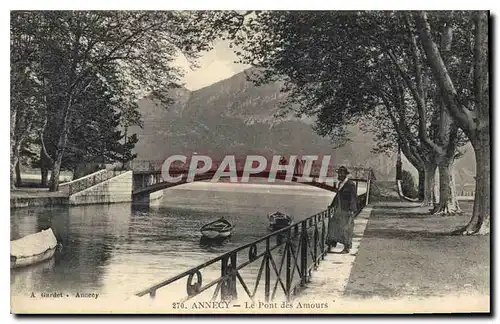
(408, 185)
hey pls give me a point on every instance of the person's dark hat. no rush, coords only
(342, 169)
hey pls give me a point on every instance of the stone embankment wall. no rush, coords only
(115, 190)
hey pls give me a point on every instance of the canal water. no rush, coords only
(120, 249)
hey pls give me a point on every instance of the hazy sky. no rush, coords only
(216, 65)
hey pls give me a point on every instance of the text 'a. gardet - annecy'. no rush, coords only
(308, 168)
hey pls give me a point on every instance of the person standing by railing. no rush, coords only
(345, 206)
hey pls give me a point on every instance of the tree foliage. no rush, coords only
(77, 76)
(336, 66)
(408, 185)
(369, 69)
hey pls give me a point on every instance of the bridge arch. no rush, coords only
(161, 185)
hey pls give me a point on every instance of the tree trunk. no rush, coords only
(56, 170)
(480, 220)
(399, 166)
(13, 163)
(448, 203)
(61, 145)
(421, 184)
(44, 166)
(429, 181)
(44, 176)
(418, 164)
(13, 157)
(15, 176)
(18, 172)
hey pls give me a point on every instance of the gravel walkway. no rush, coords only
(405, 252)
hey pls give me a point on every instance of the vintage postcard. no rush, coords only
(250, 162)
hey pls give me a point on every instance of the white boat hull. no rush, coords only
(19, 262)
(214, 234)
(33, 248)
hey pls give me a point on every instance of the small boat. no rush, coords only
(32, 249)
(217, 229)
(279, 220)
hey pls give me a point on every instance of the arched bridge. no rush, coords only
(147, 177)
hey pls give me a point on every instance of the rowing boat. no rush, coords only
(216, 229)
(279, 220)
(32, 249)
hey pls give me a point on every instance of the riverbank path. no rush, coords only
(403, 258)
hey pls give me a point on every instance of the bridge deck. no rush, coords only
(146, 184)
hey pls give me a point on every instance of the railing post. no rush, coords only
(224, 286)
(267, 274)
(228, 286)
(368, 185)
(232, 286)
(288, 264)
(315, 240)
(323, 221)
(303, 254)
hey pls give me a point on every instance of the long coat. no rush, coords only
(341, 224)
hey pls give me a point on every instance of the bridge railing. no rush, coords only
(177, 168)
(282, 260)
(88, 181)
(144, 165)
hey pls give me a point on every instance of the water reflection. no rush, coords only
(215, 244)
(26, 278)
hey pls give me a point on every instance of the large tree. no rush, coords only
(395, 126)
(467, 102)
(95, 133)
(25, 90)
(437, 131)
(333, 65)
(68, 53)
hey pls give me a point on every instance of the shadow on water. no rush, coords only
(214, 244)
(140, 207)
(19, 276)
(86, 244)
